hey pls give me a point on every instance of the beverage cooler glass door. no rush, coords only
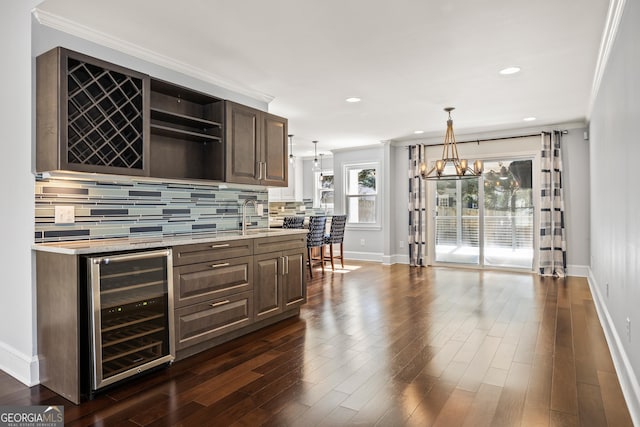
(131, 309)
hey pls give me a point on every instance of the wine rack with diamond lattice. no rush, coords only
(92, 116)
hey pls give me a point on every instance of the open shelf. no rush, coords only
(179, 117)
(183, 134)
(182, 119)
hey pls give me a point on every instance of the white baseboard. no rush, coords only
(19, 365)
(627, 377)
(395, 259)
(578, 270)
(363, 256)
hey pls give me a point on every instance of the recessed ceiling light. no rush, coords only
(529, 119)
(354, 99)
(417, 132)
(509, 70)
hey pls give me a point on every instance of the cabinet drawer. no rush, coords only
(213, 251)
(201, 322)
(279, 243)
(200, 282)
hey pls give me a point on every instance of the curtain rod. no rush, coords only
(478, 141)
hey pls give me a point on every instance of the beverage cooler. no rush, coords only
(130, 310)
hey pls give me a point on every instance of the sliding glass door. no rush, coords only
(508, 214)
(487, 221)
(457, 222)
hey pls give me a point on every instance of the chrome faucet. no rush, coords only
(246, 203)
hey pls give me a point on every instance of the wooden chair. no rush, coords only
(315, 239)
(293, 222)
(336, 237)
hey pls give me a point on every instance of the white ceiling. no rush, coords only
(406, 59)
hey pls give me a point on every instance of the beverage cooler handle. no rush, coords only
(130, 257)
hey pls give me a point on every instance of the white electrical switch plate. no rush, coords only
(65, 215)
(259, 209)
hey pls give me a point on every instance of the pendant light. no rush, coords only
(315, 158)
(450, 166)
(321, 176)
(291, 156)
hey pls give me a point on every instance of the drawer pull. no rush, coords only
(223, 245)
(216, 304)
(224, 264)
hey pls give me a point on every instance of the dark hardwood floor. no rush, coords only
(389, 346)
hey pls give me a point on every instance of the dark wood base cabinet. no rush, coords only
(225, 290)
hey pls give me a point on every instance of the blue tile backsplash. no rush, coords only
(105, 210)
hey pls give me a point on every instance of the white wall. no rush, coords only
(615, 205)
(374, 238)
(17, 314)
(575, 162)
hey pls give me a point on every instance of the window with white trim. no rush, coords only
(361, 193)
(323, 196)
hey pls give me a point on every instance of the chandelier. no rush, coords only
(451, 166)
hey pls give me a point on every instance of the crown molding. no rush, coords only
(614, 16)
(76, 29)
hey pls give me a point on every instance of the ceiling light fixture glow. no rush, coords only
(529, 119)
(418, 132)
(509, 70)
(353, 99)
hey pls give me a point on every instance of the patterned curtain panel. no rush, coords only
(553, 253)
(417, 240)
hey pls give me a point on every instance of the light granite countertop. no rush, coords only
(83, 247)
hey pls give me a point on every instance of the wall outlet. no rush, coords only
(259, 209)
(361, 242)
(628, 329)
(65, 214)
(401, 244)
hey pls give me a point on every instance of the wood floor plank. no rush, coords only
(455, 410)
(590, 406)
(387, 346)
(483, 406)
(564, 394)
(614, 407)
(511, 404)
(479, 365)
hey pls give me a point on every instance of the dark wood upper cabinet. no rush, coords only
(92, 116)
(256, 146)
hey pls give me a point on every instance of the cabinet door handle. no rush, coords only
(224, 264)
(216, 304)
(264, 170)
(224, 245)
(259, 170)
(286, 265)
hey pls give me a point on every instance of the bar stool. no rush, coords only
(293, 222)
(336, 236)
(315, 239)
